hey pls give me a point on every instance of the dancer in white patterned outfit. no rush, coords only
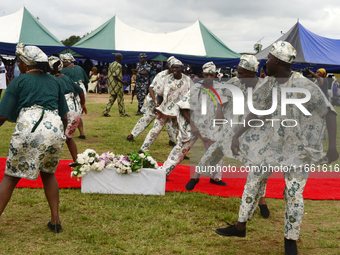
(71, 90)
(149, 107)
(176, 85)
(36, 102)
(200, 124)
(246, 78)
(287, 146)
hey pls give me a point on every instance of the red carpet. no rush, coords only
(317, 188)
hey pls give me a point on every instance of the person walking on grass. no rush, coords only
(222, 134)
(201, 124)
(36, 103)
(291, 146)
(71, 90)
(116, 87)
(149, 108)
(77, 75)
(176, 85)
(142, 82)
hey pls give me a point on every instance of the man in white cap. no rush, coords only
(201, 124)
(246, 78)
(295, 147)
(149, 107)
(176, 85)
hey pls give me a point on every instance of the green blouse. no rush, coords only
(68, 86)
(76, 73)
(32, 89)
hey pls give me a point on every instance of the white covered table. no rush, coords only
(147, 182)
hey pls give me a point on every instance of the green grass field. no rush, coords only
(177, 223)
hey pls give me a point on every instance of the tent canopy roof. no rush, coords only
(160, 57)
(21, 26)
(311, 48)
(195, 40)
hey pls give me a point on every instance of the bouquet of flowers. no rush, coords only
(90, 160)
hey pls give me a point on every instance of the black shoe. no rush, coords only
(73, 164)
(186, 157)
(231, 231)
(191, 184)
(264, 211)
(290, 247)
(54, 228)
(139, 113)
(171, 143)
(81, 137)
(130, 139)
(125, 115)
(220, 182)
(140, 151)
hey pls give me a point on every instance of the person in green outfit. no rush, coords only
(78, 75)
(36, 103)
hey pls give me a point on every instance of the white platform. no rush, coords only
(147, 182)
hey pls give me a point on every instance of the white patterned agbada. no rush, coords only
(287, 146)
(173, 92)
(224, 133)
(148, 108)
(157, 85)
(281, 145)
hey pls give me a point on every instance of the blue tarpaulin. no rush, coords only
(313, 51)
(133, 57)
(9, 48)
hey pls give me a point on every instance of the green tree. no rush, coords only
(71, 40)
(257, 47)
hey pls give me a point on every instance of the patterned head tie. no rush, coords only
(209, 67)
(284, 51)
(52, 60)
(170, 59)
(142, 55)
(249, 62)
(67, 57)
(30, 55)
(175, 61)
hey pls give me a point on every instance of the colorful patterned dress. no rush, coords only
(37, 104)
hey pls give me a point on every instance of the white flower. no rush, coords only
(81, 174)
(129, 171)
(110, 155)
(87, 151)
(142, 155)
(111, 165)
(81, 161)
(101, 166)
(91, 160)
(118, 171)
(152, 161)
(85, 168)
(126, 163)
(138, 170)
(86, 159)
